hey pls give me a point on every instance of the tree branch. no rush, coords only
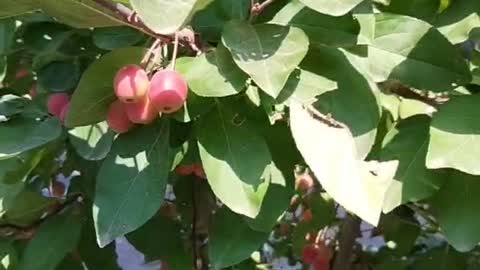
(405, 92)
(348, 234)
(256, 8)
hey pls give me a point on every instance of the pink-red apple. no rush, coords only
(117, 118)
(141, 112)
(131, 84)
(168, 91)
(56, 102)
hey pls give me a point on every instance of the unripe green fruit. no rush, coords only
(56, 102)
(117, 118)
(131, 84)
(168, 91)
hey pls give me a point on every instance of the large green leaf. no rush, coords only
(337, 8)
(213, 74)
(456, 205)
(131, 182)
(77, 13)
(235, 157)
(8, 256)
(53, 241)
(166, 16)
(94, 92)
(455, 136)
(268, 53)
(330, 152)
(407, 49)
(321, 29)
(365, 15)
(407, 142)
(167, 232)
(231, 240)
(21, 135)
(458, 20)
(304, 87)
(209, 21)
(356, 92)
(422, 9)
(9, 8)
(25, 209)
(7, 34)
(92, 142)
(110, 38)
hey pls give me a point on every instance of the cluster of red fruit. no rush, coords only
(140, 100)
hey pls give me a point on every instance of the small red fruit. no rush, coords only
(198, 171)
(321, 265)
(57, 189)
(168, 91)
(304, 182)
(64, 113)
(56, 102)
(185, 170)
(117, 118)
(141, 112)
(307, 215)
(131, 84)
(309, 254)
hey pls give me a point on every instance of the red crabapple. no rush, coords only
(168, 91)
(304, 182)
(131, 84)
(56, 102)
(141, 112)
(198, 171)
(64, 113)
(307, 215)
(185, 170)
(309, 254)
(117, 118)
(57, 189)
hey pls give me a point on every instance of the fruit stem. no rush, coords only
(149, 53)
(175, 51)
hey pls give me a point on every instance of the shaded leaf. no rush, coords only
(131, 182)
(340, 7)
(92, 142)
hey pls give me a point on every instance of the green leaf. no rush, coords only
(162, 230)
(10, 8)
(356, 92)
(440, 258)
(458, 20)
(92, 142)
(455, 136)
(321, 29)
(165, 16)
(110, 38)
(403, 230)
(94, 92)
(11, 105)
(213, 74)
(7, 35)
(21, 135)
(422, 9)
(365, 15)
(407, 49)
(330, 152)
(8, 256)
(304, 87)
(339, 8)
(407, 142)
(77, 13)
(230, 245)
(456, 208)
(209, 21)
(266, 52)
(59, 76)
(26, 208)
(234, 157)
(54, 240)
(131, 182)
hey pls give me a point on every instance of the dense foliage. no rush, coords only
(306, 122)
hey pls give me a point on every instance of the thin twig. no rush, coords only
(175, 51)
(257, 8)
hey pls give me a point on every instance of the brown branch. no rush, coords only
(26, 232)
(406, 92)
(348, 234)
